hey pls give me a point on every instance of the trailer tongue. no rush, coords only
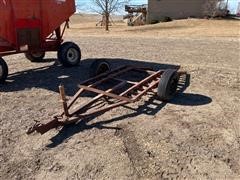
(34, 27)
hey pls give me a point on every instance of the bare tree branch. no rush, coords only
(107, 7)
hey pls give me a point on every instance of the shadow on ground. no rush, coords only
(50, 77)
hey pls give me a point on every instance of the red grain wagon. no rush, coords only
(34, 27)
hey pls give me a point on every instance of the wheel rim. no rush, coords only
(72, 55)
(102, 68)
(1, 71)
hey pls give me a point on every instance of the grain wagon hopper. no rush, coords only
(34, 27)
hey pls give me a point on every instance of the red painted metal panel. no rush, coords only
(47, 15)
(55, 12)
(6, 22)
(26, 23)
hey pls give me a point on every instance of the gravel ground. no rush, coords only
(195, 136)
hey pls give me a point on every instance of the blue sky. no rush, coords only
(232, 4)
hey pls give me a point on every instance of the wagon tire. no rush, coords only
(35, 56)
(3, 71)
(167, 86)
(99, 67)
(69, 54)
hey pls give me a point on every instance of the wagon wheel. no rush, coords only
(167, 86)
(35, 56)
(99, 67)
(69, 54)
(3, 70)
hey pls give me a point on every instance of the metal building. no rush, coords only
(175, 9)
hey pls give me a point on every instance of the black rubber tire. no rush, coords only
(69, 54)
(3, 71)
(35, 57)
(167, 86)
(99, 67)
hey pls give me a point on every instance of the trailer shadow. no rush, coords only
(50, 77)
(150, 107)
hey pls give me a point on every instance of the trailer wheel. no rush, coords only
(3, 71)
(69, 54)
(167, 86)
(35, 56)
(99, 67)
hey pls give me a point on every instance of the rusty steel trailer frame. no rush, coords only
(129, 95)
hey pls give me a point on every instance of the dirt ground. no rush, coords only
(195, 136)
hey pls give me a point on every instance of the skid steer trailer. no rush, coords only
(120, 91)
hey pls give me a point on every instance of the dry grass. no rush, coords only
(83, 24)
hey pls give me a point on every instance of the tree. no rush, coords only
(107, 7)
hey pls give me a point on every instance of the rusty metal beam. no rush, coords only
(102, 110)
(63, 100)
(92, 101)
(144, 81)
(45, 127)
(122, 98)
(153, 85)
(115, 72)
